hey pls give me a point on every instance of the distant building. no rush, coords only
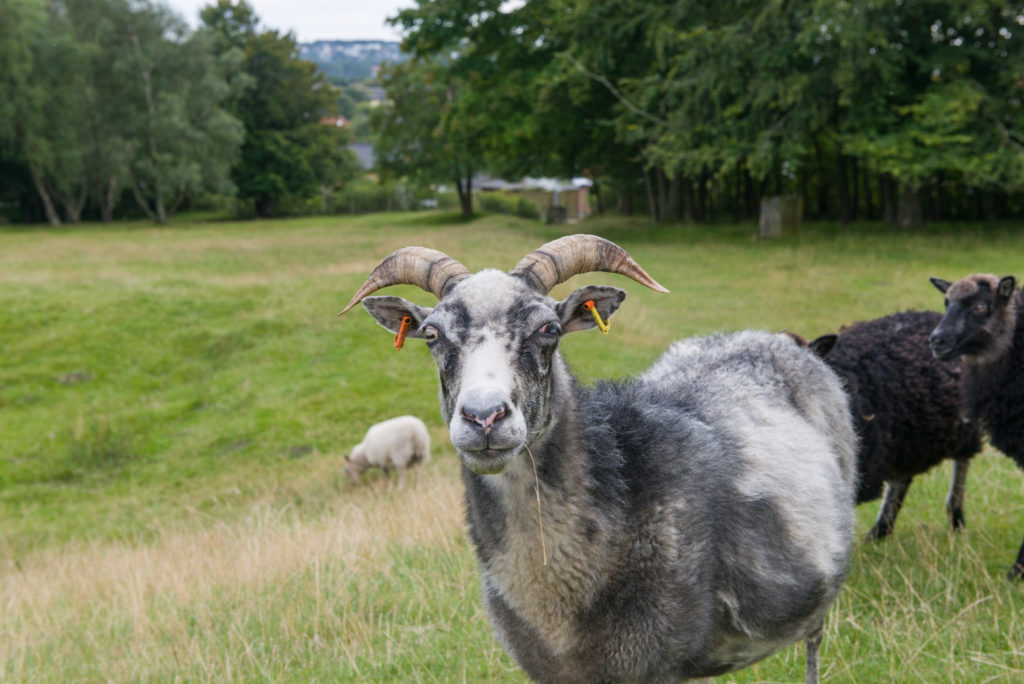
(364, 151)
(559, 200)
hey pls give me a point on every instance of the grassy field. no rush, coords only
(175, 404)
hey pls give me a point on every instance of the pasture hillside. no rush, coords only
(175, 404)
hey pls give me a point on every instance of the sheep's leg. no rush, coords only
(813, 645)
(401, 477)
(1017, 571)
(955, 499)
(892, 501)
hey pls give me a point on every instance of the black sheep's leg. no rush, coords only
(892, 501)
(1017, 571)
(955, 499)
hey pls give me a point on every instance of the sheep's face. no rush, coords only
(495, 342)
(979, 321)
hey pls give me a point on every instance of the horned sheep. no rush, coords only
(395, 444)
(982, 324)
(684, 523)
(906, 410)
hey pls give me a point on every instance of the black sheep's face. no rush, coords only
(494, 340)
(979, 320)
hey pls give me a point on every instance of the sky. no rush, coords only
(312, 20)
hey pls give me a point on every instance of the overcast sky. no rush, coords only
(313, 20)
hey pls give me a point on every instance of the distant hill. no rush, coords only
(347, 60)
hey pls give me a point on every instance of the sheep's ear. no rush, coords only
(389, 312)
(940, 284)
(573, 316)
(823, 345)
(1005, 287)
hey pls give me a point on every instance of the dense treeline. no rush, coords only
(108, 103)
(693, 111)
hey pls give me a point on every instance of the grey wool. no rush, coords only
(693, 519)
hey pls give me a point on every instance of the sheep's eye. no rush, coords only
(431, 334)
(550, 329)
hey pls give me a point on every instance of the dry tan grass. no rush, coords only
(150, 592)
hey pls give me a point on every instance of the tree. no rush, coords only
(934, 89)
(427, 131)
(185, 141)
(288, 155)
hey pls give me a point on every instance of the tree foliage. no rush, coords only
(289, 154)
(716, 104)
(111, 94)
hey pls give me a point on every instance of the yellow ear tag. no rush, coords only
(589, 306)
(400, 335)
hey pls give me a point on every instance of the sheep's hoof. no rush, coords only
(879, 531)
(956, 518)
(1016, 572)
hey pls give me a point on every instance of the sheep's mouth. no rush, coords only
(489, 461)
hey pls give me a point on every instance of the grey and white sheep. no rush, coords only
(685, 523)
(983, 325)
(395, 444)
(906, 409)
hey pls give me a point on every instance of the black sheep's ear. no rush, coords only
(940, 284)
(1005, 287)
(824, 344)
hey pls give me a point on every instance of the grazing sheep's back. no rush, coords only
(398, 442)
(906, 404)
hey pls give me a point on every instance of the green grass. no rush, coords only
(175, 403)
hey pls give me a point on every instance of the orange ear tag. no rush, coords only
(589, 306)
(400, 336)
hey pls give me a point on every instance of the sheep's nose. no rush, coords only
(484, 412)
(940, 342)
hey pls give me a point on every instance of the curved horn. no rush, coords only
(559, 260)
(426, 268)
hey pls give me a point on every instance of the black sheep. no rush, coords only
(981, 326)
(906, 408)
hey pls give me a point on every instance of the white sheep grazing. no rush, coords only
(398, 443)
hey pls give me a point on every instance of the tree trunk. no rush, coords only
(702, 198)
(141, 201)
(160, 212)
(855, 185)
(940, 196)
(51, 212)
(73, 207)
(869, 205)
(108, 200)
(652, 205)
(825, 204)
(843, 185)
(465, 188)
(988, 204)
(889, 209)
(625, 204)
(909, 210)
(751, 196)
(688, 201)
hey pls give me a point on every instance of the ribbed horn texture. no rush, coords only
(561, 259)
(423, 267)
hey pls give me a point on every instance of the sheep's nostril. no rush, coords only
(484, 418)
(939, 342)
